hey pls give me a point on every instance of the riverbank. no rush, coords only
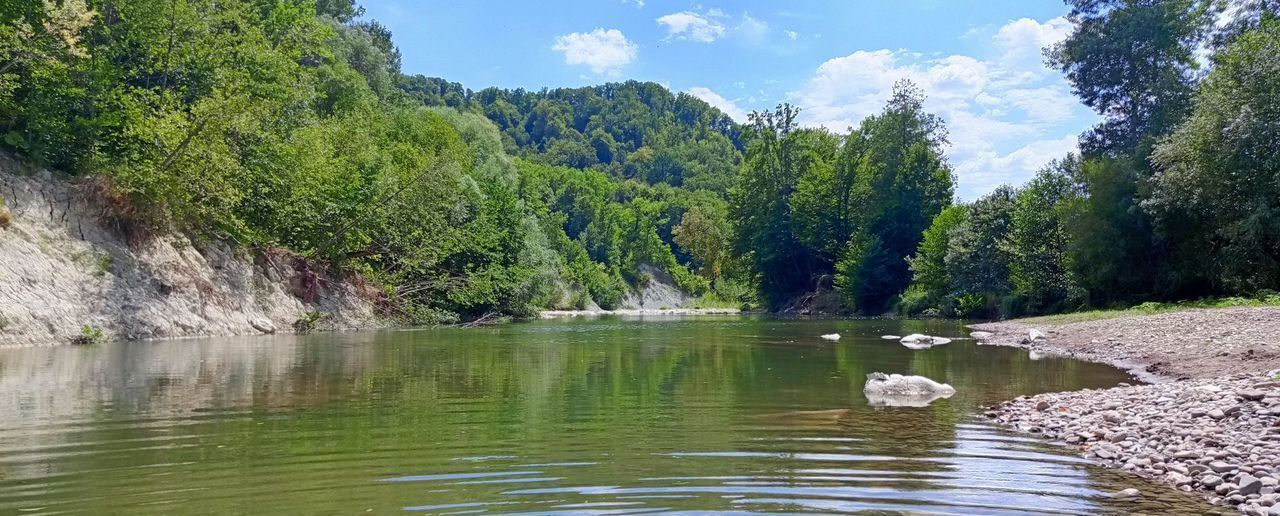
(69, 272)
(1210, 422)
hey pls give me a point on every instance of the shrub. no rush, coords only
(89, 335)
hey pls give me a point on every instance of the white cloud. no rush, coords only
(726, 106)
(1023, 41)
(988, 169)
(1005, 115)
(792, 35)
(605, 51)
(703, 28)
(753, 29)
(639, 3)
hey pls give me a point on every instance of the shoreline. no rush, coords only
(1208, 419)
(560, 314)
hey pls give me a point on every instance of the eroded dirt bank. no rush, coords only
(1210, 425)
(65, 268)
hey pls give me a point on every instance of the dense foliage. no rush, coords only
(288, 123)
(1175, 195)
(631, 130)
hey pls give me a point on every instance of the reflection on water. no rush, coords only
(606, 416)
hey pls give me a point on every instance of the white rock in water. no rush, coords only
(918, 341)
(832, 336)
(980, 335)
(890, 337)
(1035, 335)
(896, 385)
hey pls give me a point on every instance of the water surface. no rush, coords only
(571, 416)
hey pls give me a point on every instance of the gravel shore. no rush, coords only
(1209, 422)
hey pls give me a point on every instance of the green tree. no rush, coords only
(931, 279)
(901, 181)
(706, 233)
(1216, 192)
(1037, 241)
(777, 157)
(977, 255)
(1131, 61)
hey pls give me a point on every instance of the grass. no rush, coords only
(1150, 308)
(711, 301)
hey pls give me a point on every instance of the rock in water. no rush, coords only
(890, 337)
(919, 341)
(896, 385)
(981, 335)
(832, 336)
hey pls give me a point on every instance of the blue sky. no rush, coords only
(979, 61)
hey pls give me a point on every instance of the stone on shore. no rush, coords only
(1194, 435)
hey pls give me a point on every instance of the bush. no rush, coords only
(89, 335)
(971, 305)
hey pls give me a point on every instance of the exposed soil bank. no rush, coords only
(1211, 424)
(64, 266)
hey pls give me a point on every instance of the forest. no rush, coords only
(289, 124)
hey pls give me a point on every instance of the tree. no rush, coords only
(777, 157)
(1132, 62)
(705, 232)
(1037, 241)
(901, 181)
(931, 279)
(977, 256)
(1215, 191)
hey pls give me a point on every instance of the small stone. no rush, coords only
(1252, 395)
(1249, 484)
(1220, 467)
(1042, 405)
(1210, 481)
(1217, 414)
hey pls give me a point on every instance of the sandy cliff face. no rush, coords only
(62, 268)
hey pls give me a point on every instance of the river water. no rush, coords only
(609, 415)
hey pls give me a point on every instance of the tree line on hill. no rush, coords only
(289, 123)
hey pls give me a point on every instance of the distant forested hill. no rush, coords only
(632, 130)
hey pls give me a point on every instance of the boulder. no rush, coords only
(262, 324)
(896, 385)
(920, 341)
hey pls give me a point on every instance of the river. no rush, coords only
(607, 415)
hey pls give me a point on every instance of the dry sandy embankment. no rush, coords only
(65, 267)
(1209, 423)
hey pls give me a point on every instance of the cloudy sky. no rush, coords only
(978, 61)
